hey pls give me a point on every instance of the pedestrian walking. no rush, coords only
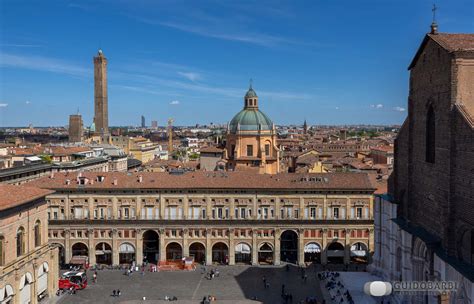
(114, 292)
(264, 279)
(118, 293)
(282, 289)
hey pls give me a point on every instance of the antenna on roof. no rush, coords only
(434, 25)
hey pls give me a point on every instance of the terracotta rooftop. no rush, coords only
(211, 150)
(206, 180)
(11, 196)
(454, 42)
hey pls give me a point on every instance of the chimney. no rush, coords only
(114, 182)
(140, 179)
(68, 181)
(52, 175)
(434, 28)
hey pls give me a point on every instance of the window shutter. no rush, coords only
(329, 214)
(343, 213)
(352, 213)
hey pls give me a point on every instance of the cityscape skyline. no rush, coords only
(362, 81)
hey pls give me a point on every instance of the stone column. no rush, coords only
(162, 209)
(231, 246)
(325, 207)
(53, 269)
(66, 209)
(90, 234)
(232, 207)
(208, 247)
(114, 208)
(185, 205)
(33, 296)
(162, 245)
(277, 208)
(115, 253)
(67, 245)
(301, 246)
(185, 242)
(301, 207)
(254, 247)
(324, 252)
(255, 208)
(276, 247)
(347, 247)
(138, 246)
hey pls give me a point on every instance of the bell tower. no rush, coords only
(251, 99)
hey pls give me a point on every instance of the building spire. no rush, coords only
(250, 84)
(434, 25)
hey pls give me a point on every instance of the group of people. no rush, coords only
(116, 293)
(212, 274)
(208, 300)
(336, 289)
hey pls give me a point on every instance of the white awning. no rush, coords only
(6, 292)
(26, 279)
(358, 253)
(312, 248)
(242, 248)
(99, 252)
(126, 248)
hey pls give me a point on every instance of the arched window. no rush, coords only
(20, 242)
(37, 233)
(430, 136)
(2, 250)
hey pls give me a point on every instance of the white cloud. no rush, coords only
(3, 105)
(27, 102)
(174, 102)
(337, 108)
(42, 64)
(190, 75)
(399, 109)
(377, 106)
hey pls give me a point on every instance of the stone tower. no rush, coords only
(101, 112)
(75, 128)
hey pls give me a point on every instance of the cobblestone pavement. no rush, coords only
(235, 284)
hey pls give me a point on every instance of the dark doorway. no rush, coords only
(289, 246)
(220, 253)
(61, 255)
(174, 252)
(265, 254)
(80, 249)
(151, 246)
(335, 253)
(198, 251)
(103, 254)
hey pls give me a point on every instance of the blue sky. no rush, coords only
(331, 62)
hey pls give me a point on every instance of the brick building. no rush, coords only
(28, 263)
(433, 179)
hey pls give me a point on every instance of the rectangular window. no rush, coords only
(359, 213)
(267, 150)
(203, 213)
(249, 150)
(335, 212)
(312, 212)
(126, 213)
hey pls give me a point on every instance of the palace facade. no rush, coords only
(218, 217)
(28, 263)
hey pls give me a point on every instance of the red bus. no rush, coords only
(75, 279)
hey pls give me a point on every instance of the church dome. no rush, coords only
(250, 93)
(250, 120)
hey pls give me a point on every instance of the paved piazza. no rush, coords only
(235, 284)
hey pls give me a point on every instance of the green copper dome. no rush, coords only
(250, 120)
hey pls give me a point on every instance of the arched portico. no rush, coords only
(198, 251)
(312, 253)
(265, 254)
(79, 249)
(151, 246)
(174, 251)
(359, 253)
(103, 253)
(335, 253)
(243, 253)
(289, 246)
(220, 253)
